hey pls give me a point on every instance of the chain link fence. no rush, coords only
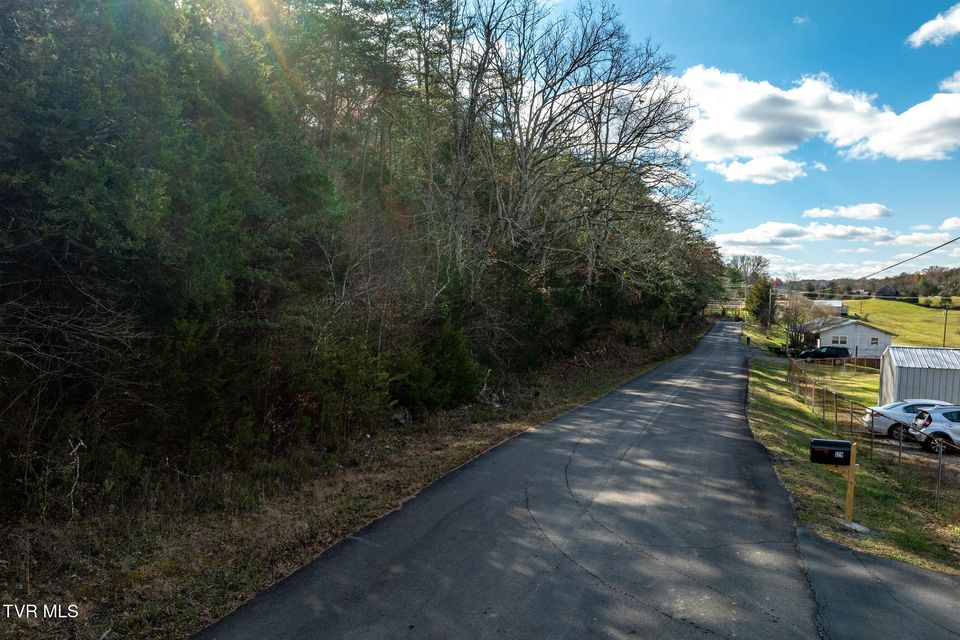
(883, 440)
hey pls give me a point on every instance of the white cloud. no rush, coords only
(763, 170)
(829, 231)
(737, 119)
(951, 224)
(926, 131)
(802, 267)
(951, 84)
(800, 20)
(778, 235)
(937, 31)
(868, 211)
(920, 240)
(922, 227)
(787, 235)
(843, 269)
(827, 270)
(819, 166)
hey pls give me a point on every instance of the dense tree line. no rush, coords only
(230, 230)
(910, 286)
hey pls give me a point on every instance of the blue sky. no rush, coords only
(827, 134)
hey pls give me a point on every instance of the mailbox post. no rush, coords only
(841, 456)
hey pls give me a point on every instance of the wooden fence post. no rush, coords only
(836, 423)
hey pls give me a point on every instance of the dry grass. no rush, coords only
(167, 575)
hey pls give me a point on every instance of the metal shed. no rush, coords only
(919, 372)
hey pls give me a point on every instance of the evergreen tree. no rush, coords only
(227, 228)
(760, 303)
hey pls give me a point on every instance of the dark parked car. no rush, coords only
(825, 353)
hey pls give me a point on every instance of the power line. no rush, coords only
(850, 297)
(940, 246)
(919, 255)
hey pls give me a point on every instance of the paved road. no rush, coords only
(648, 513)
(865, 597)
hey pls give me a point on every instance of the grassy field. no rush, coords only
(862, 386)
(936, 300)
(908, 526)
(913, 324)
(768, 341)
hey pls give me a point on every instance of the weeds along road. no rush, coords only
(649, 513)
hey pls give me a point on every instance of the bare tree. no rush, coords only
(800, 316)
(751, 267)
(580, 119)
(543, 144)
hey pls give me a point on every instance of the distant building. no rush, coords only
(863, 340)
(920, 372)
(836, 307)
(886, 291)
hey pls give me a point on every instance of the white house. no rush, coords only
(863, 340)
(920, 372)
(836, 307)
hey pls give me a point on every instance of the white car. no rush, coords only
(894, 418)
(937, 428)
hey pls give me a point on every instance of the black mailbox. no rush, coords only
(830, 451)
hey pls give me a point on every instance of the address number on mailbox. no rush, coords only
(830, 451)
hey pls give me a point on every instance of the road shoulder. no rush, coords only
(864, 596)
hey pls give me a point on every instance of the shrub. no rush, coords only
(458, 376)
(412, 379)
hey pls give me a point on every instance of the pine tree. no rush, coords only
(759, 302)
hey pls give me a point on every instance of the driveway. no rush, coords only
(649, 513)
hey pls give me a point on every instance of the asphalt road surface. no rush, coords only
(867, 598)
(648, 513)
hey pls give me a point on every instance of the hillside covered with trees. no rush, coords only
(234, 230)
(929, 282)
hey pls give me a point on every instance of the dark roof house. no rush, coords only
(886, 291)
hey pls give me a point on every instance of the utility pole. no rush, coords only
(945, 309)
(770, 298)
(770, 307)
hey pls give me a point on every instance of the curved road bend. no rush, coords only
(649, 513)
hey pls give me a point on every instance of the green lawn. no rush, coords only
(862, 386)
(908, 526)
(774, 339)
(938, 299)
(913, 324)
